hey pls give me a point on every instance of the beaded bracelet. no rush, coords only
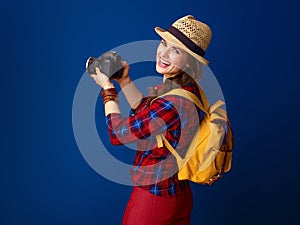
(109, 91)
(109, 94)
(110, 98)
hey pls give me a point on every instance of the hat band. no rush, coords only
(186, 41)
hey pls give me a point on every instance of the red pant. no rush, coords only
(145, 208)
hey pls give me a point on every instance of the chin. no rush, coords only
(159, 70)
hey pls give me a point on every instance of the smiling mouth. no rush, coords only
(162, 63)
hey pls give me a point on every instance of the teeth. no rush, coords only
(164, 62)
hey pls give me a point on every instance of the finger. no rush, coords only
(126, 68)
(97, 70)
(123, 63)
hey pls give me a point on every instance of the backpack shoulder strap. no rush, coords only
(161, 140)
(170, 148)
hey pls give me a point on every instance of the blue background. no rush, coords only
(44, 44)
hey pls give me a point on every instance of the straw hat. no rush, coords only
(189, 34)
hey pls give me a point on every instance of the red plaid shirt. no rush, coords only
(155, 168)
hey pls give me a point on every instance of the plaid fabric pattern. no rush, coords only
(155, 168)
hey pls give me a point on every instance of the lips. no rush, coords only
(163, 63)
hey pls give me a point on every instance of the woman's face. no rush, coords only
(170, 59)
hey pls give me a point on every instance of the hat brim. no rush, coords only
(169, 37)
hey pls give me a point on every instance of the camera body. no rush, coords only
(109, 64)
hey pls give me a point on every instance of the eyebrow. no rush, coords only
(174, 47)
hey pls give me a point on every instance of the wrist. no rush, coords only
(108, 85)
(124, 81)
(109, 94)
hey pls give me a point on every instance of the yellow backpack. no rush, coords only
(210, 152)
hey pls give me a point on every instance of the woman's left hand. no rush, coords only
(101, 79)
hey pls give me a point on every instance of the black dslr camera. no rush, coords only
(109, 64)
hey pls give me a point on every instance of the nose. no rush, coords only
(164, 53)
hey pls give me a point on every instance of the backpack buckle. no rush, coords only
(215, 178)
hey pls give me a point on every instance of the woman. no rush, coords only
(158, 196)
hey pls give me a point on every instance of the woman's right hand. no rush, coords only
(101, 79)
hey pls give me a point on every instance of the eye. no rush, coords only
(177, 51)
